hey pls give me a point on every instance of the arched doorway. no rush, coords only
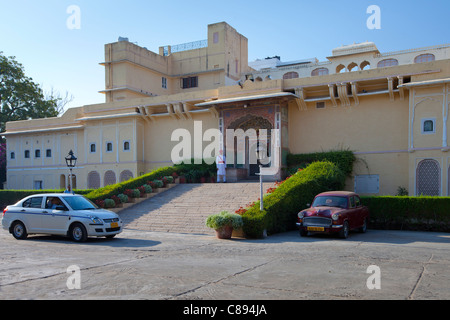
(257, 137)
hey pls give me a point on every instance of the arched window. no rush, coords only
(387, 63)
(110, 177)
(428, 178)
(290, 75)
(319, 72)
(93, 180)
(427, 57)
(352, 66)
(125, 175)
(365, 65)
(340, 68)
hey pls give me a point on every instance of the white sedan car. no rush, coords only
(60, 214)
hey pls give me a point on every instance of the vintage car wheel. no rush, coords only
(19, 231)
(343, 234)
(363, 229)
(303, 233)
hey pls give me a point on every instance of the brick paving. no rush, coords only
(185, 207)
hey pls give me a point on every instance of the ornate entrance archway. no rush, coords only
(257, 137)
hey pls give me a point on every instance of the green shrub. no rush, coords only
(282, 205)
(343, 159)
(409, 213)
(222, 219)
(158, 183)
(147, 188)
(169, 179)
(114, 189)
(109, 203)
(123, 198)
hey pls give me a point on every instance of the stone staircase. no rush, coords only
(185, 207)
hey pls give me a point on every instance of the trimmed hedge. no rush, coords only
(282, 205)
(343, 159)
(409, 213)
(115, 189)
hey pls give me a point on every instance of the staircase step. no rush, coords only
(185, 207)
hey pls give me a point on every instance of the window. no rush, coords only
(428, 178)
(357, 201)
(93, 180)
(428, 126)
(35, 202)
(319, 72)
(126, 145)
(164, 82)
(290, 75)
(387, 63)
(27, 154)
(37, 153)
(125, 175)
(48, 153)
(424, 58)
(109, 147)
(189, 82)
(12, 155)
(320, 105)
(367, 183)
(216, 37)
(38, 185)
(110, 177)
(92, 148)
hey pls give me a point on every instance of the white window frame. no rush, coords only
(90, 147)
(106, 147)
(423, 125)
(129, 146)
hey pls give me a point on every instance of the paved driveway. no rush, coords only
(157, 265)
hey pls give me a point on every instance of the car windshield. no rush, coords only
(80, 203)
(330, 201)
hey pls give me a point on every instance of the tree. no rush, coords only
(20, 97)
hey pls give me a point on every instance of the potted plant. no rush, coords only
(224, 223)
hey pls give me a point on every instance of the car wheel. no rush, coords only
(77, 232)
(343, 234)
(19, 231)
(363, 229)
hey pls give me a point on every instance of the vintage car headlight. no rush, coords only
(301, 214)
(335, 216)
(96, 220)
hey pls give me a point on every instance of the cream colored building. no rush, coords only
(391, 109)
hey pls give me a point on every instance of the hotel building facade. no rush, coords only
(390, 109)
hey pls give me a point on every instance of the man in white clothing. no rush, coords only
(221, 167)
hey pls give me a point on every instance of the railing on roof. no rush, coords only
(393, 53)
(185, 46)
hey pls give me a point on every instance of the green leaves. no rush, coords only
(20, 97)
(225, 218)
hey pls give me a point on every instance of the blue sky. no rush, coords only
(35, 32)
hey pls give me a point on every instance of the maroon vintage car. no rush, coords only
(334, 212)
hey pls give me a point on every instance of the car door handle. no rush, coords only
(44, 211)
(23, 210)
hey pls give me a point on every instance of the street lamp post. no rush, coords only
(71, 161)
(261, 153)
